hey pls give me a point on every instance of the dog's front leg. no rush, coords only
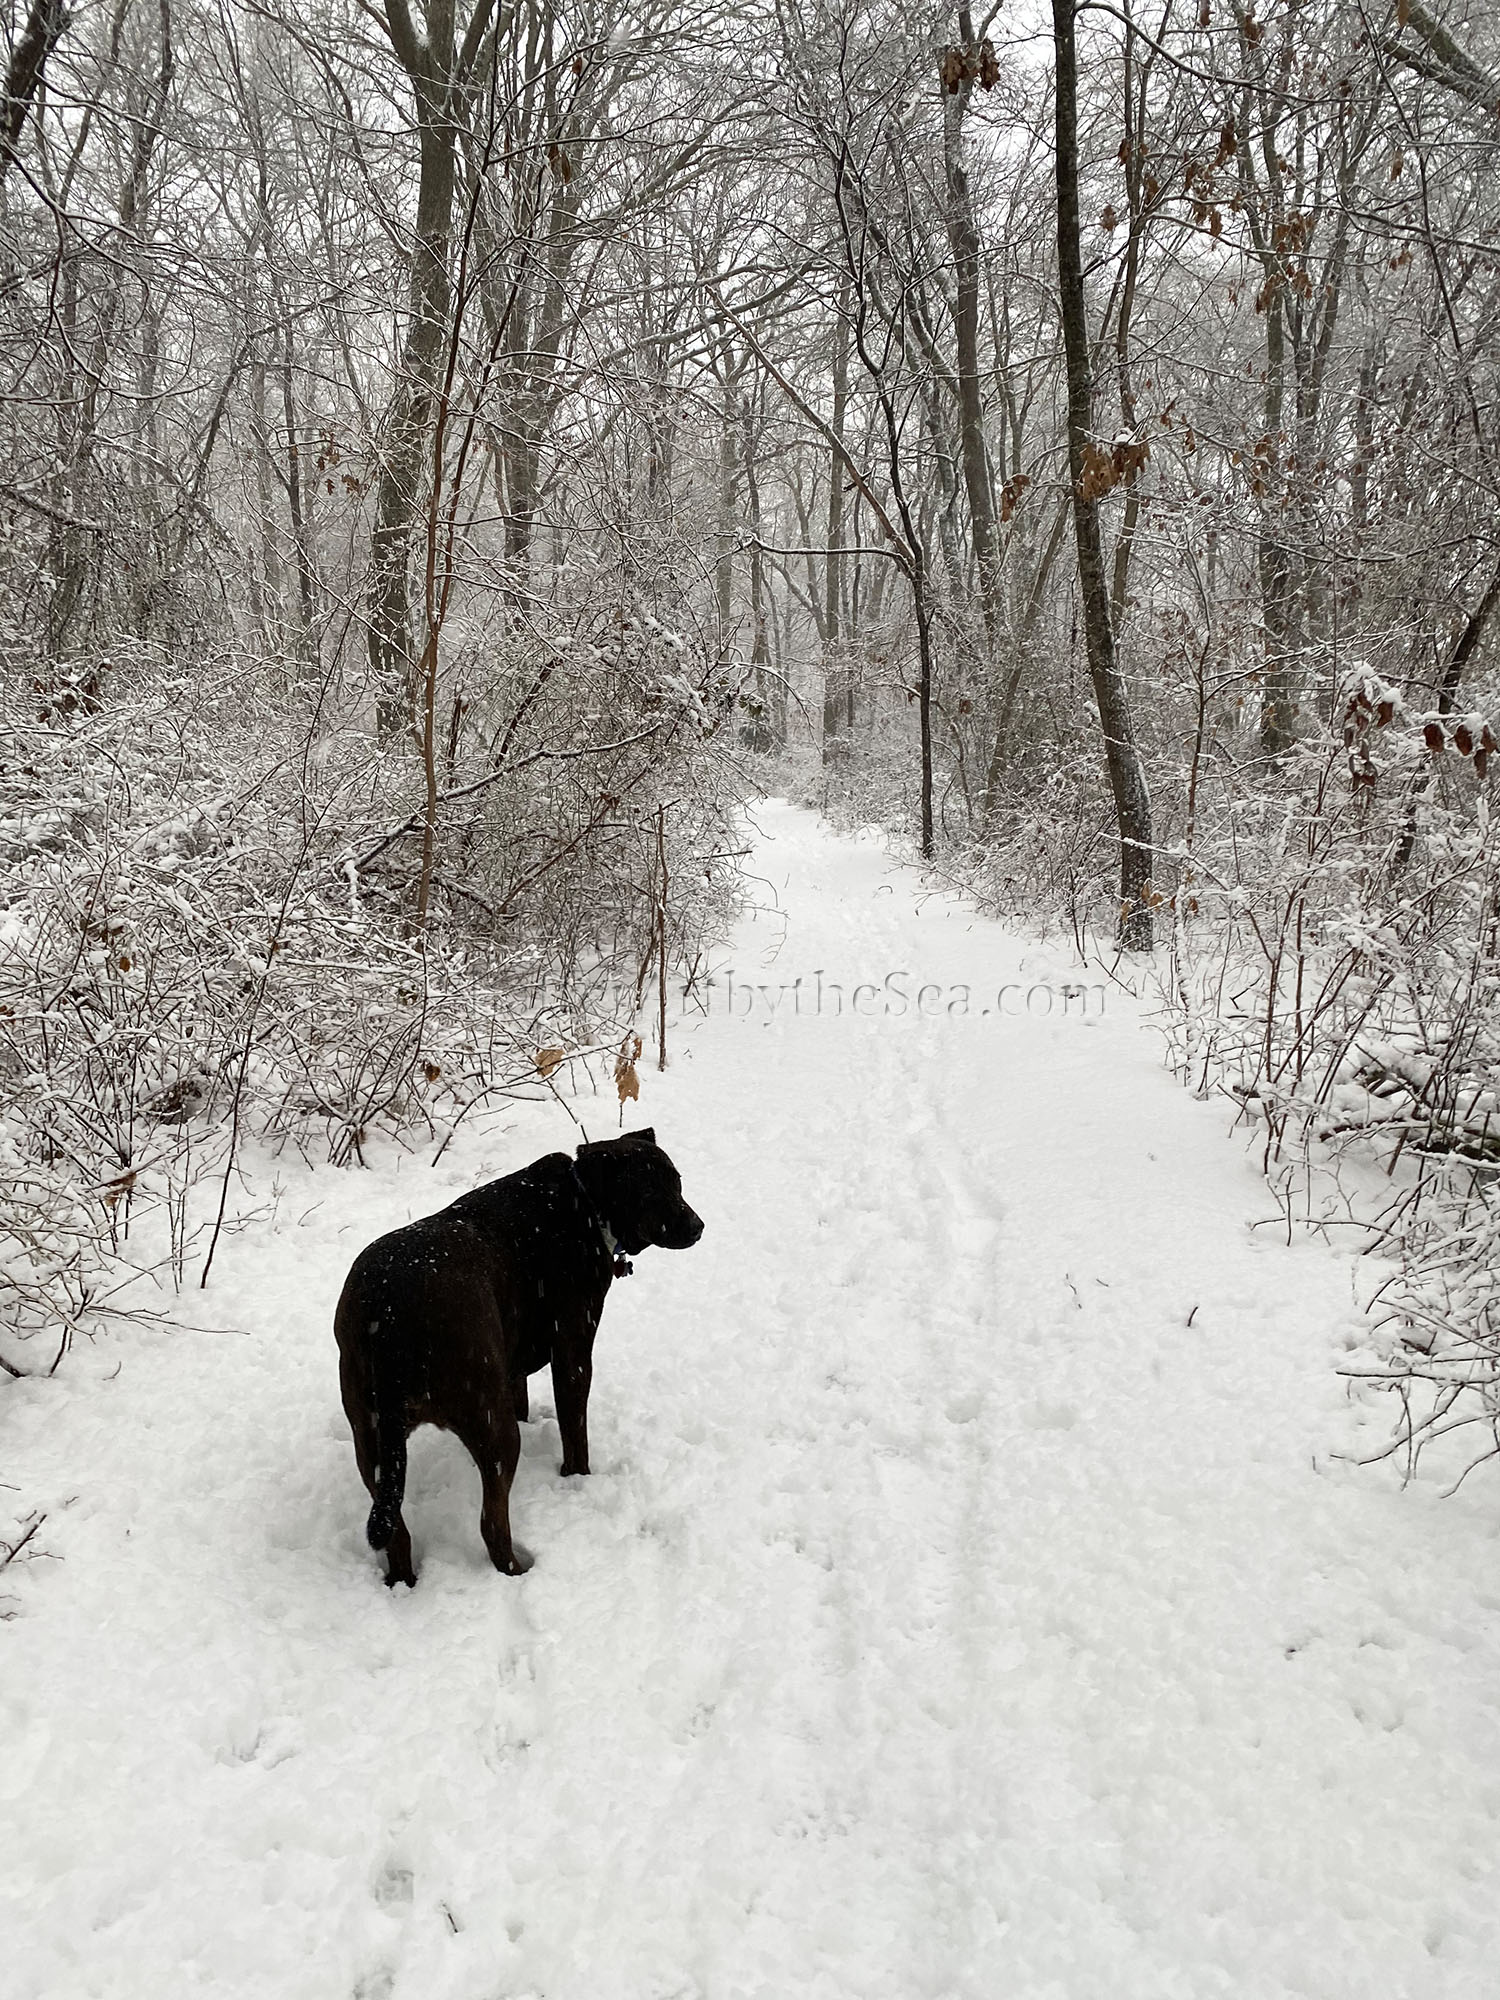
(495, 1448)
(571, 1377)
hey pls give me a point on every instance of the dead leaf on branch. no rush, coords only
(1010, 494)
(627, 1083)
(1098, 475)
(1461, 738)
(547, 1060)
(1104, 469)
(969, 65)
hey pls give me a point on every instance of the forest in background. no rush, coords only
(453, 455)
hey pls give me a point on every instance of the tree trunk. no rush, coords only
(23, 76)
(77, 577)
(767, 727)
(1134, 154)
(267, 599)
(728, 489)
(1126, 777)
(398, 497)
(295, 503)
(963, 240)
(833, 694)
(437, 74)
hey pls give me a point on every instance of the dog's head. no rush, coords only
(638, 1192)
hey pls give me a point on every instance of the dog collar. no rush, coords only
(619, 1263)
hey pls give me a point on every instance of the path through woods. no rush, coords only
(969, 1599)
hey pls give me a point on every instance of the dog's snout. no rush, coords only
(686, 1230)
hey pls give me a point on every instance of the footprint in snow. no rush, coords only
(394, 1888)
(1050, 1416)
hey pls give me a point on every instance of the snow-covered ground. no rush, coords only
(969, 1598)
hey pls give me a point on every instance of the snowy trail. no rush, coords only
(968, 1600)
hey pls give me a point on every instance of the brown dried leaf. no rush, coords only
(548, 1059)
(627, 1083)
(1099, 475)
(1010, 494)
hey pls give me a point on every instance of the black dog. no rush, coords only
(441, 1322)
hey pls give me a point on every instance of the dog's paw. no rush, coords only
(395, 1576)
(520, 1561)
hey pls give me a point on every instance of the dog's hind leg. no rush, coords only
(520, 1398)
(495, 1448)
(398, 1548)
(398, 1564)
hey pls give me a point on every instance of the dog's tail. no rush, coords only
(390, 1434)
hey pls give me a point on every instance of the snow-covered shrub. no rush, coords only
(1334, 966)
(206, 933)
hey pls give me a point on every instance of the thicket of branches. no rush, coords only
(445, 443)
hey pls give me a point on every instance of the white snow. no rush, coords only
(969, 1598)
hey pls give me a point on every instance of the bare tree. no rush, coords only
(1126, 776)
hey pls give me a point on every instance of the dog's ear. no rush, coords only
(647, 1133)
